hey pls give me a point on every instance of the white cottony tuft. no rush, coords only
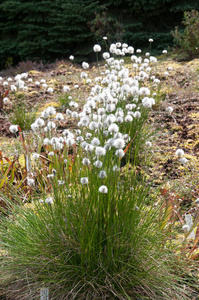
(85, 65)
(97, 48)
(103, 189)
(50, 90)
(102, 174)
(169, 109)
(119, 143)
(66, 89)
(179, 152)
(100, 151)
(49, 200)
(13, 128)
(84, 180)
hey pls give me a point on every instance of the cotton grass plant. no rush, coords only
(89, 232)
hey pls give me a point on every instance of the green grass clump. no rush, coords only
(22, 114)
(85, 245)
(186, 42)
(64, 100)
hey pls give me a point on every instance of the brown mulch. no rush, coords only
(4, 126)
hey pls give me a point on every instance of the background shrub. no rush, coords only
(187, 42)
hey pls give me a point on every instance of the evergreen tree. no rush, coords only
(45, 29)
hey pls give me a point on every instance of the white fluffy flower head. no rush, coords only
(13, 128)
(148, 144)
(85, 65)
(51, 110)
(103, 189)
(59, 117)
(119, 143)
(98, 164)
(30, 182)
(97, 48)
(50, 90)
(106, 55)
(179, 152)
(113, 128)
(144, 91)
(84, 180)
(137, 114)
(49, 200)
(100, 151)
(130, 50)
(86, 161)
(169, 109)
(102, 174)
(119, 153)
(40, 122)
(66, 89)
(51, 125)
